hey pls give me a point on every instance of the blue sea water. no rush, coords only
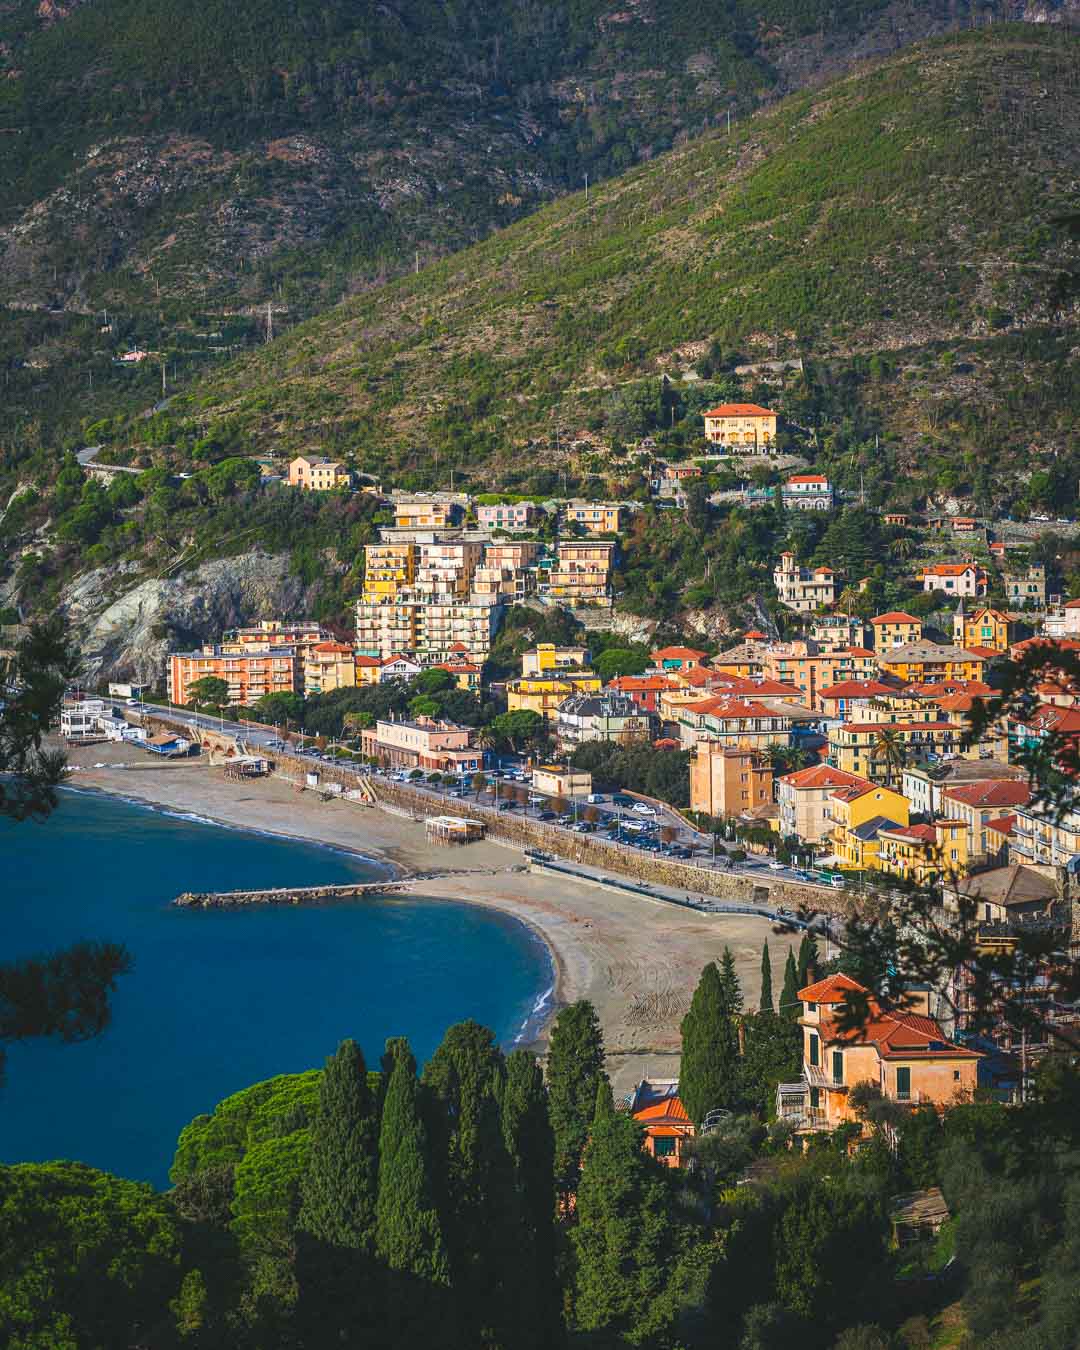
(220, 999)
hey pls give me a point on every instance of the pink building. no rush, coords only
(425, 743)
(508, 516)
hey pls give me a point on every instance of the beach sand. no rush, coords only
(636, 960)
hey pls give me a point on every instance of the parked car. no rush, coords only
(644, 809)
(594, 798)
(620, 799)
(545, 815)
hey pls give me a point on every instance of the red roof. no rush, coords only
(367, 660)
(332, 647)
(855, 689)
(898, 726)
(808, 478)
(831, 989)
(755, 635)
(899, 1035)
(624, 684)
(738, 410)
(984, 653)
(923, 834)
(726, 707)
(1047, 717)
(949, 569)
(990, 792)
(854, 651)
(1003, 824)
(678, 653)
(895, 616)
(822, 776)
(670, 1109)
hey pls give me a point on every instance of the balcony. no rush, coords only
(793, 1108)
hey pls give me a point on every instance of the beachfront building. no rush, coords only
(727, 781)
(601, 717)
(423, 743)
(318, 475)
(248, 674)
(803, 588)
(432, 629)
(741, 428)
(327, 666)
(803, 799)
(903, 1053)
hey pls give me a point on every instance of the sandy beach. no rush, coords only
(637, 960)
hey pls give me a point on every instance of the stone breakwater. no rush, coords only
(286, 895)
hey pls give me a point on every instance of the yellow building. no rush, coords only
(924, 853)
(546, 656)
(427, 514)
(895, 629)
(595, 517)
(859, 747)
(856, 813)
(983, 628)
(923, 662)
(543, 693)
(741, 428)
(318, 475)
(389, 569)
(329, 665)
(557, 781)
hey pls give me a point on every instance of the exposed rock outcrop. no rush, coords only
(128, 635)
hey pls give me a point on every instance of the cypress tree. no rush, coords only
(789, 997)
(574, 1068)
(408, 1232)
(482, 1219)
(707, 1076)
(730, 981)
(808, 957)
(531, 1145)
(765, 1002)
(336, 1223)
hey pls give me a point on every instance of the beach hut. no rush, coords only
(447, 830)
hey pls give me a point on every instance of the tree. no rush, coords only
(575, 1066)
(336, 1223)
(889, 748)
(423, 705)
(729, 980)
(808, 958)
(620, 661)
(772, 1054)
(531, 1144)
(278, 708)
(765, 999)
(790, 1007)
(479, 783)
(408, 1231)
(209, 692)
(707, 1076)
(517, 728)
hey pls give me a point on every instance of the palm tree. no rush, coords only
(778, 757)
(889, 747)
(849, 598)
(903, 547)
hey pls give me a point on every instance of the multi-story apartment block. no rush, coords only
(924, 853)
(445, 570)
(852, 700)
(803, 798)
(1044, 836)
(269, 633)
(859, 747)
(726, 781)
(327, 666)
(803, 588)
(985, 627)
(741, 428)
(895, 629)
(516, 554)
(249, 675)
(807, 492)
(581, 577)
(509, 516)
(734, 723)
(802, 666)
(923, 784)
(389, 568)
(833, 632)
(920, 662)
(428, 513)
(976, 804)
(857, 813)
(1062, 621)
(595, 517)
(966, 579)
(318, 475)
(601, 717)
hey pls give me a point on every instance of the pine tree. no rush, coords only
(531, 1144)
(765, 1002)
(730, 982)
(482, 1211)
(789, 997)
(408, 1231)
(707, 1076)
(808, 957)
(575, 1065)
(336, 1223)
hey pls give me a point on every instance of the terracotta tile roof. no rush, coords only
(726, 707)
(851, 792)
(624, 684)
(362, 660)
(895, 616)
(755, 634)
(831, 989)
(922, 834)
(678, 653)
(904, 1035)
(738, 410)
(697, 678)
(948, 569)
(897, 726)
(1050, 718)
(855, 651)
(1003, 824)
(332, 647)
(993, 792)
(670, 1109)
(934, 688)
(987, 653)
(855, 689)
(822, 776)
(808, 478)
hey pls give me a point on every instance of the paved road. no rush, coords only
(621, 824)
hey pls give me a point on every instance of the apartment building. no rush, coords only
(1062, 621)
(923, 784)
(270, 633)
(445, 570)
(249, 675)
(802, 666)
(984, 627)
(318, 475)
(544, 694)
(741, 428)
(895, 629)
(977, 804)
(857, 813)
(803, 588)
(645, 690)
(328, 666)
(389, 569)
(424, 743)
(509, 516)
(833, 632)
(601, 717)
(581, 577)
(428, 513)
(924, 853)
(1042, 836)
(727, 781)
(734, 723)
(546, 657)
(922, 662)
(858, 747)
(595, 517)
(851, 700)
(432, 629)
(803, 799)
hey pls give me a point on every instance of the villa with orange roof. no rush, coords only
(645, 690)
(803, 798)
(904, 1054)
(678, 658)
(857, 814)
(807, 492)
(733, 722)
(985, 628)
(803, 589)
(657, 1108)
(967, 579)
(895, 629)
(741, 428)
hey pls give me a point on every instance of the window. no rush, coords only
(903, 1085)
(815, 1050)
(811, 1007)
(663, 1148)
(815, 1099)
(956, 1075)
(837, 1066)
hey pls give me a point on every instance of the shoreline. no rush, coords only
(637, 962)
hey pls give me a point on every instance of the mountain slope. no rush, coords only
(905, 209)
(179, 166)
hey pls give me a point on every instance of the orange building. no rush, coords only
(657, 1108)
(318, 475)
(742, 428)
(249, 675)
(905, 1055)
(726, 781)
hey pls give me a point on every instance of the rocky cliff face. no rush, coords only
(129, 636)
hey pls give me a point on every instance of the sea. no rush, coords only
(220, 999)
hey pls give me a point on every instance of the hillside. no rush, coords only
(168, 170)
(895, 229)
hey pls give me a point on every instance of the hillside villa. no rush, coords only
(318, 475)
(741, 428)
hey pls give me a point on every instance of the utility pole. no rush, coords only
(269, 323)
(586, 189)
(416, 262)
(163, 379)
